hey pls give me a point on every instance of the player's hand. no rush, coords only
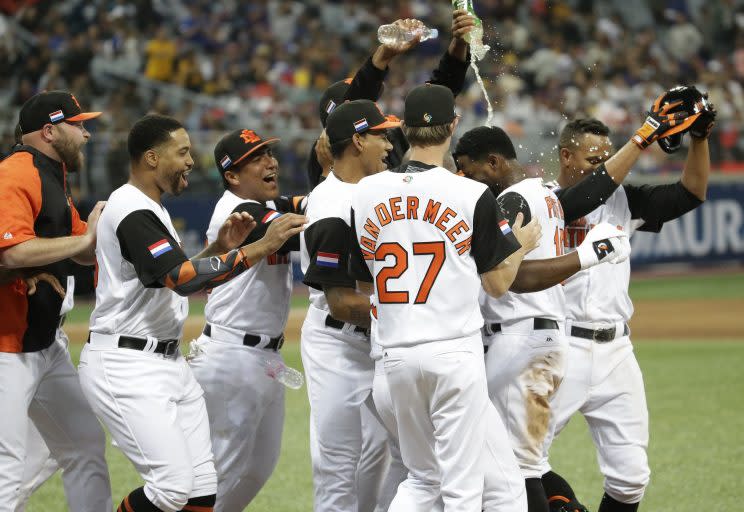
(407, 24)
(323, 152)
(33, 280)
(234, 231)
(95, 214)
(462, 24)
(528, 236)
(703, 125)
(604, 243)
(659, 122)
(281, 230)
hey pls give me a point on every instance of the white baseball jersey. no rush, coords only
(534, 200)
(137, 245)
(423, 236)
(324, 245)
(257, 301)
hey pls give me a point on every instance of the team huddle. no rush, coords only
(460, 312)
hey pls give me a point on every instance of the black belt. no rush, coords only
(338, 324)
(165, 347)
(598, 335)
(538, 325)
(251, 340)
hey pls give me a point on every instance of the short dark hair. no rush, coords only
(425, 136)
(579, 127)
(149, 132)
(482, 141)
(338, 148)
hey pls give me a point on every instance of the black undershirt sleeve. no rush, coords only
(490, 245)
(451, 72)
(367, 83)
(358, 268)
(327, 242)
(657, 204)
(587, 195)
(263, 215)
(148, 245)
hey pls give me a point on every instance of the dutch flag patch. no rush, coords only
(56, 116)
(160, 247)
(327, 259)
(225, 162)
(271, 215)
(361, 125)
(504, 225)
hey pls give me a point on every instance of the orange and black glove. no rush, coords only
(662, 123)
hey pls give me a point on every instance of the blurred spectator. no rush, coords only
(217, 65)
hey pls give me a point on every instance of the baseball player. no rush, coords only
(335, 341)
(40, 228)
(131, 369)
(368, 83)
(423, 236)
(604, 381)
(522, 332)
(245, 325)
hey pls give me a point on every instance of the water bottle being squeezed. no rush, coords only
(395, 35)
(475, 36)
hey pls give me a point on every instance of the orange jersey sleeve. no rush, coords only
(79, 227)
(20, 199)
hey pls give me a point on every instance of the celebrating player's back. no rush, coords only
(429, 240)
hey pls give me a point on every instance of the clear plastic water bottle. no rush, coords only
(280, 372)
(394, 35)
(475, 36)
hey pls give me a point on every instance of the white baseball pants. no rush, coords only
(604, 382)
(503, 483)
(339, 373)
(246, 416)
(44, 387)
(525, 368)
(154, 409)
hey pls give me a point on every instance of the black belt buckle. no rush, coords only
(604, 335)
(170, 347)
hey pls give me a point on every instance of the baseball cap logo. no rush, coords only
(74, 99)
(249, 136)
(427, 117)
(360, 125)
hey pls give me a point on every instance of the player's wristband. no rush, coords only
(644, 136)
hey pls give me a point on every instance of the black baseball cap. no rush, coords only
(429, 105)
(358, 116)
(52, 107)
(332, 97)
(236, 146)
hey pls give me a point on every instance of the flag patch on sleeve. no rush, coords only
(327, 259)
(504, 225)
(270, 215)
(159, 247)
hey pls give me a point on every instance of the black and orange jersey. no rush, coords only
(34, 202)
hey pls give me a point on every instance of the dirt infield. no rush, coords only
(653, 319)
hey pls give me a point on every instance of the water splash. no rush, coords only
(483, 89)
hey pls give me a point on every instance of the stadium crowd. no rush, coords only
(265, 64)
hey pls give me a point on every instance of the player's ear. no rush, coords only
(357, 142)
(564, 155)
(151, 158)
(496, 162)
(231, 178)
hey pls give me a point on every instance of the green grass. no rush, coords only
(723, 286)
(697, 457)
